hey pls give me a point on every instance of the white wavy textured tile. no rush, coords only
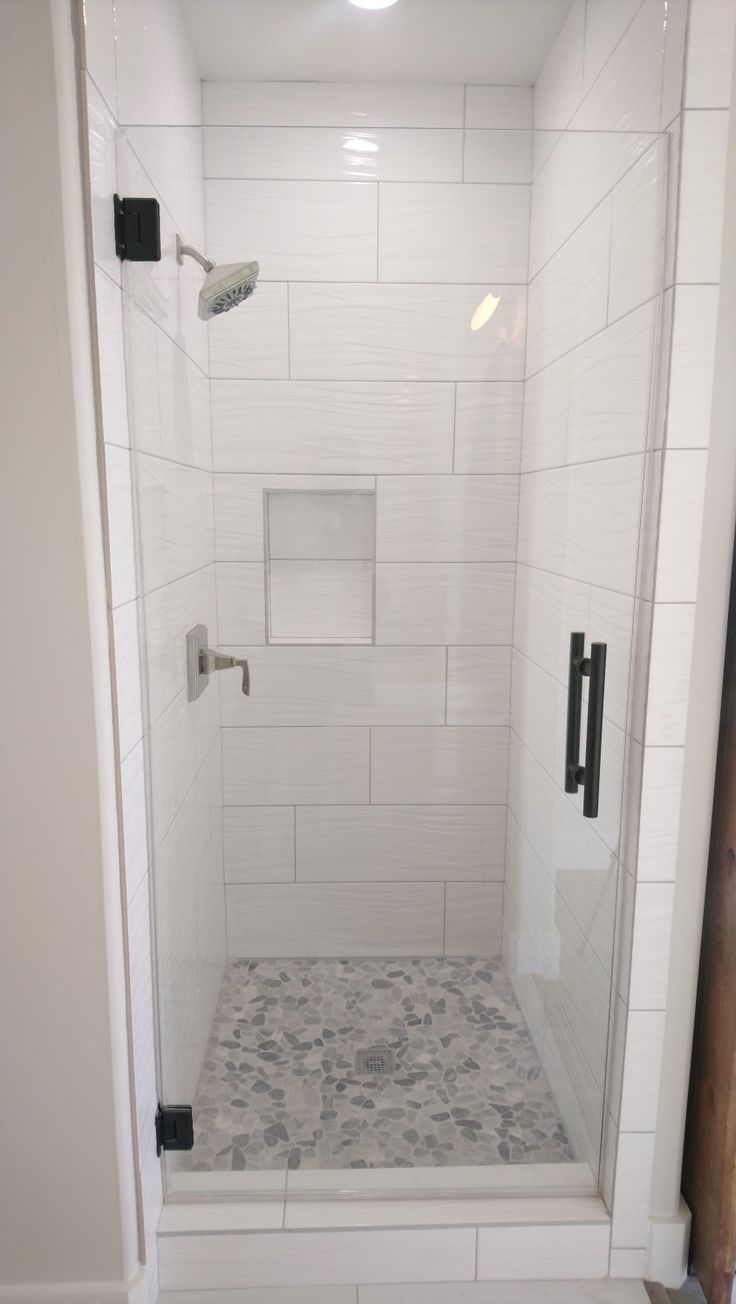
(446, 518)
(170, 612)
(559, 86)
(239, 507)
(577, 862)
(555, 951)
(172, 157)
(637, 234)
(103, 182)
(568, 298)
(310, 525)
(452, 765)
(626, 95)
(241, 602)
(166, 290)
(712, 24)
(609, 391)
(488, 421)
(660, 807)
(333, 104)
(276, 767)
(354, 427)
(650, 951)
(583, 521)
(611, 622)
(702, 181)
(547, 609)
(643, 1062)
(605, 24)
(691, 368)
(253, 343)
(180, 740)
(121, 535)
(111, 358)
(258, 844)
(158, 79)
(449, 233)
(296, 230)
(175, 520)
(320, 601)
(334, 154)
(444, 602)
(498, 106)
(335, 919)
(405, 332)
(669, 673)
(339, 685)
(420, 843)
(498, 156)
(674, 63)
(168, 394)
(579, 172)
(473, 914)
(546, 416)
(128, 676)
(630, 1223)
(680, 524)
(135, 819)
(98, 31)
(577, 1250)
(478, 685)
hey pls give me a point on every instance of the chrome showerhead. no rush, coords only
(224, 287)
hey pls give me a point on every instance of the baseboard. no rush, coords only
(669, 1241)
(134, 1291)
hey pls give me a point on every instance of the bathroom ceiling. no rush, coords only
(484, 41)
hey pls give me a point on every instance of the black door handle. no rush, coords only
(589, 774)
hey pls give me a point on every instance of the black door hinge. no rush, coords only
(137, 230)
(174, 1128)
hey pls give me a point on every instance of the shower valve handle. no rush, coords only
(209, 661)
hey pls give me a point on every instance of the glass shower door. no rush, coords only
(396, 480)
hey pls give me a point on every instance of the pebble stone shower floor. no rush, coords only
(279, 1088)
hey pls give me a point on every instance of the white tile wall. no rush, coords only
(296, 230)
(273, 767)
(343, 388)
(356, 427)
(453, 233)
(324, 919)
(421, 843)
(338, 154)
(450, 764)
(338, 686)
(444, 602)
(333, 104)
(405, 332)
(446, 518)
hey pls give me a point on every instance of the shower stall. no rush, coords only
(386, 886)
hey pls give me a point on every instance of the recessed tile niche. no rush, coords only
(320, 566)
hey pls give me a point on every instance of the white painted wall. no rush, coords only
(67, 1217)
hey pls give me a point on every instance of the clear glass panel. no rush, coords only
(385, 932)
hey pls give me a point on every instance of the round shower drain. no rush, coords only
(380, 1061)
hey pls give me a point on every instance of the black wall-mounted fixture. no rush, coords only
(588, 775)
(137, 230)
(174, 1128)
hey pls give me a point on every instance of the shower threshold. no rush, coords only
(284, 1091)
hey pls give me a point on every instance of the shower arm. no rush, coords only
(188, 251)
